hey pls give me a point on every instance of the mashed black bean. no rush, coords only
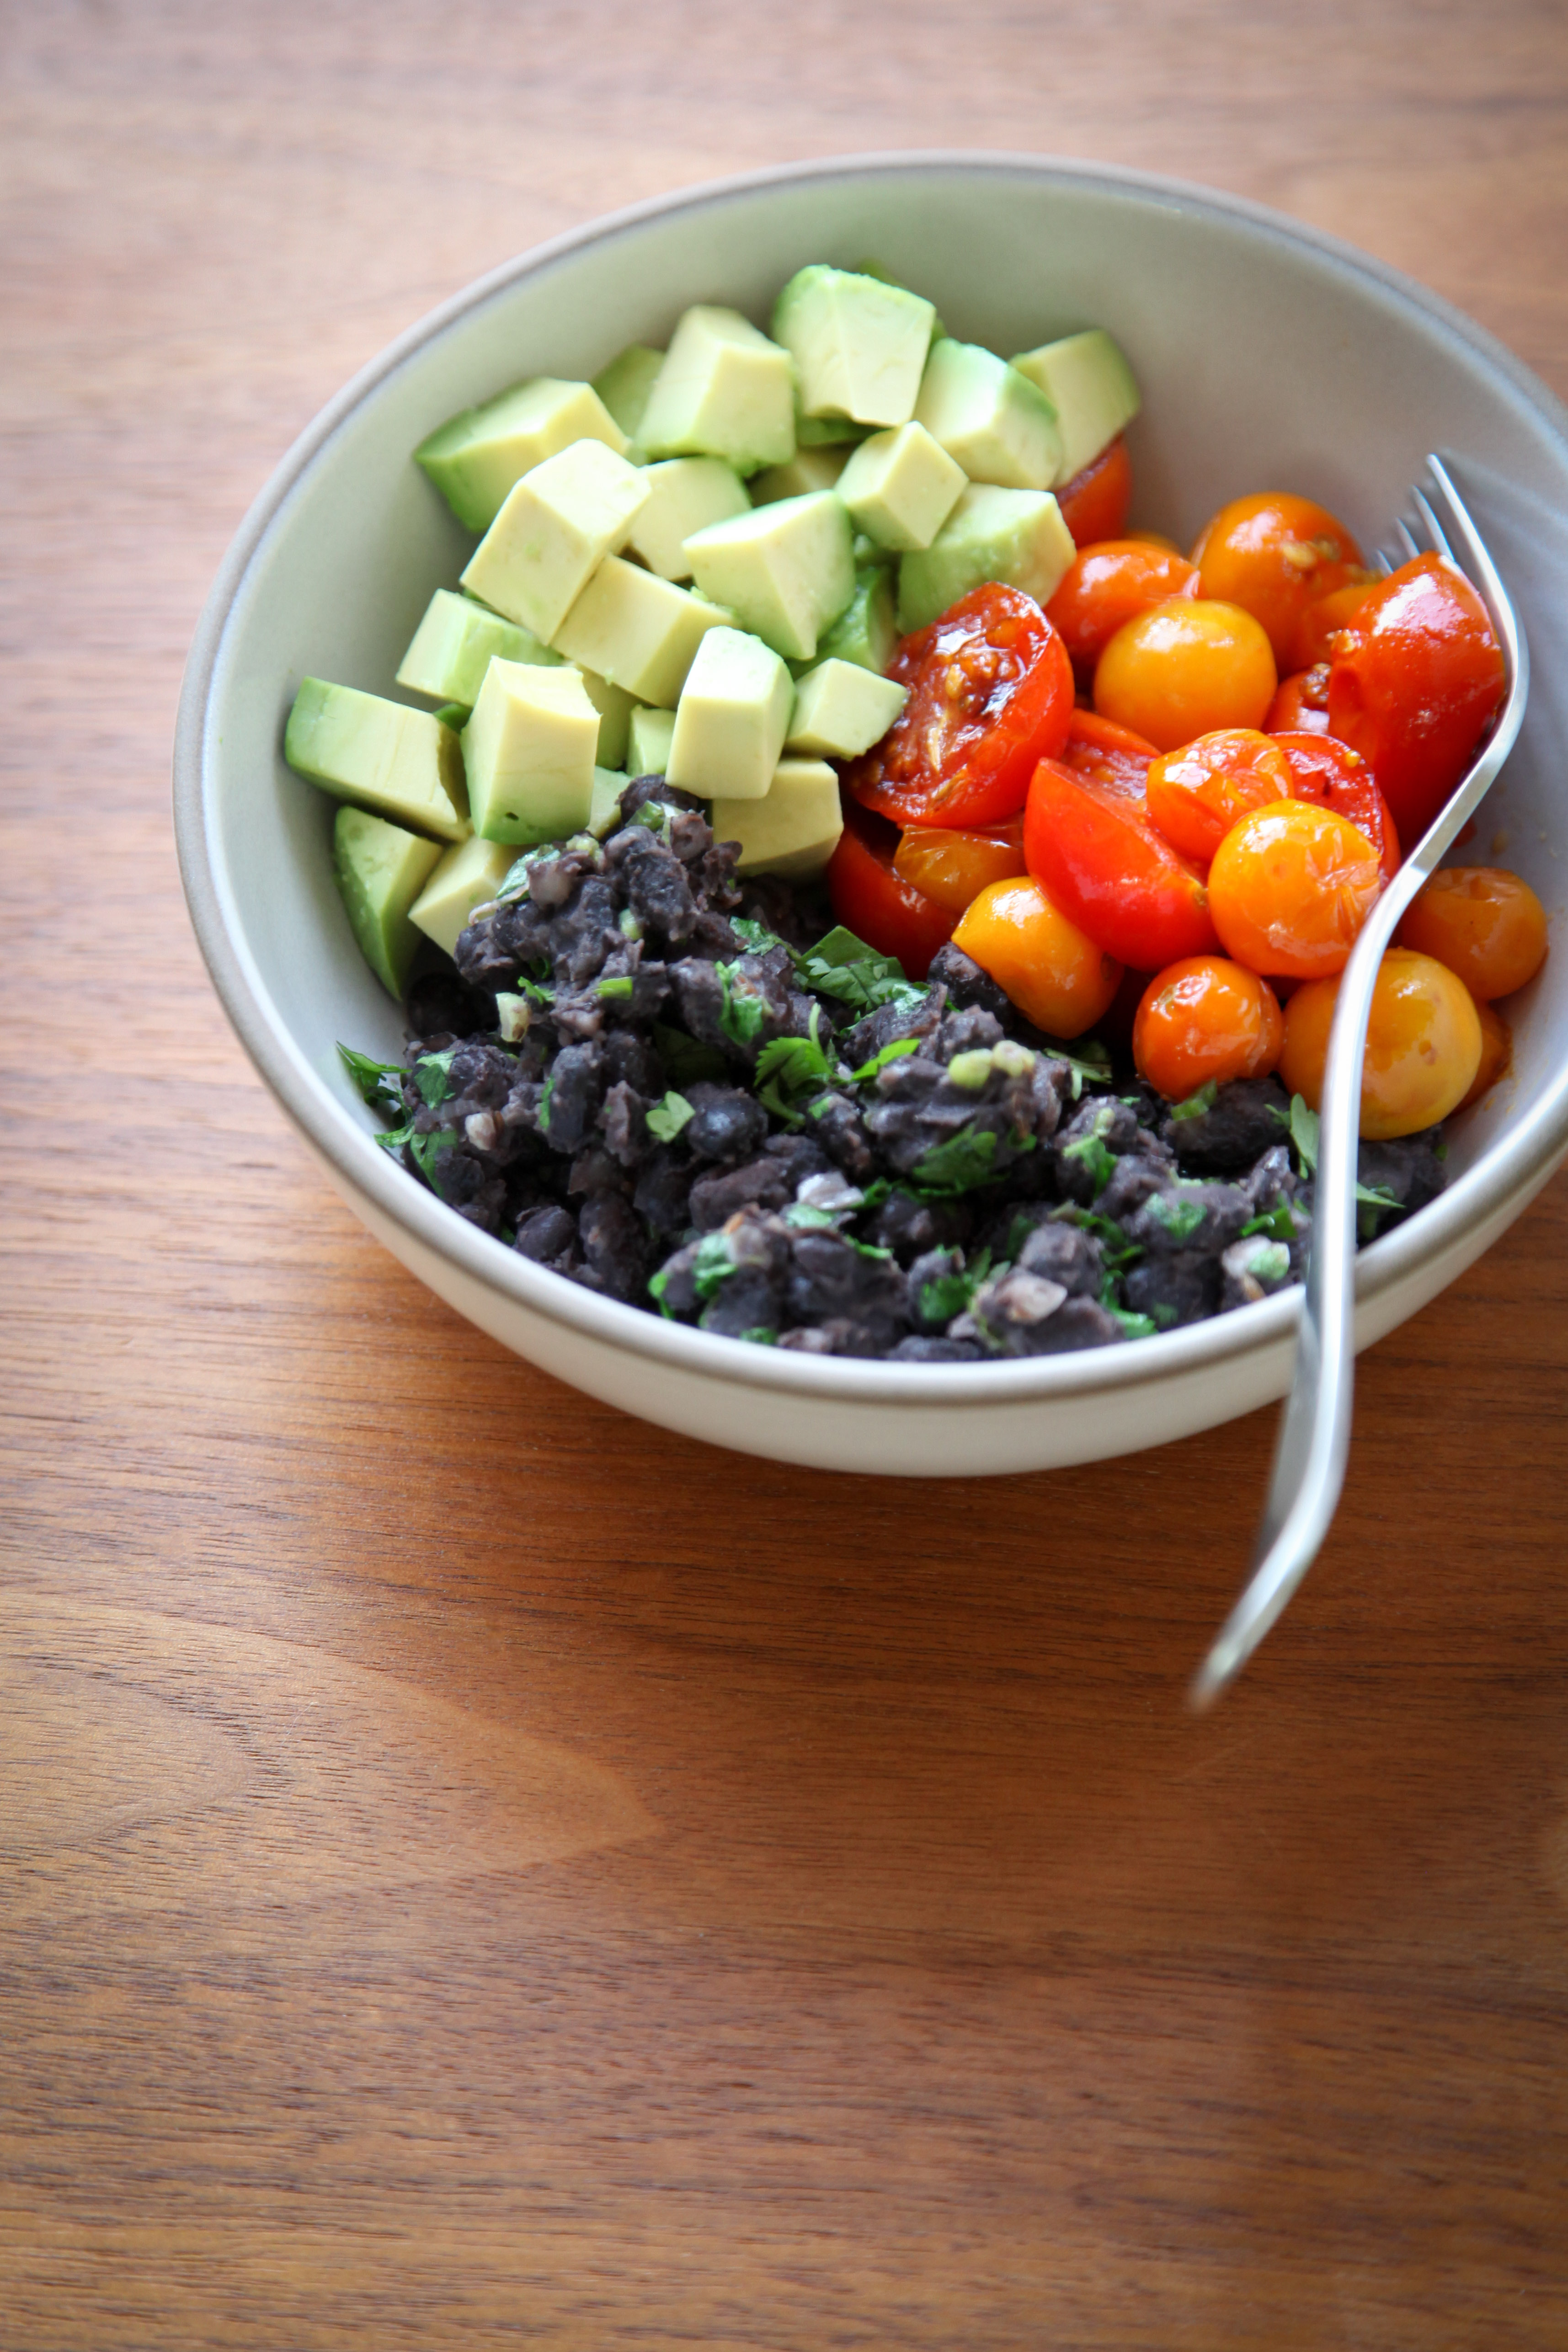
(640, 1076)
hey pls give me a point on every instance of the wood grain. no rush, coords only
(478, 1871)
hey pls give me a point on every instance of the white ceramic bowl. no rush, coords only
(1270, 357)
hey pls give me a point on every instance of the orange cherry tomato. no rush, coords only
(1484, 923)
(1109, 583)
(1206, 1018)
(1054, 972)
(1112, 755)
(1423, 1044)
(1197, 794)
(1289, 889)
(1322, 625)
(1301, 705)
(1497, 1053)
(990, 694)
(1328, 772)
(877, 905)
(1185, 669)
(953, 868)
(1092, 849)
(1094, 503)
(1275, 555)
(1414, 690)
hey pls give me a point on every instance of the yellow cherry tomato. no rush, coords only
(1054, 974)
(1186, 668)
(1484, 923)
(952, 865)
(1291, 886)
(1423, 1044)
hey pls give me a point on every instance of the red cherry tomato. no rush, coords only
(1095, 854)
(1197, 793)
(1322, 625)
(1300, 704)
(1094, 503)
(1276, 554)
(1327, 771)
(1109, 582)
(1414, 692)
(1112, 755)
(990, 696)
(876, 904)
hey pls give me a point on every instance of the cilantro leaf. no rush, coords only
(741, 1009)
(392, 1139)
(1180, 1219)
(795, 1064)
(843, 966)
(1305, 1127)
(1194, 1106)
(1278, 1223)
(433, 1076)
(1133, 1326)
(712, 1265)
(757, 936)
(965, 1161)
(893, 1053)
(1120, 1253)
(380, 1083)
(952, 1294)
(542, 1113)
(666, 1118)
(1095, 1156)
(426, 1149)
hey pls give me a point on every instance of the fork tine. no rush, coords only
(1407, 539)
(1423, 505)
(1382, 561)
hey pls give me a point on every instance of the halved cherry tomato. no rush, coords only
(876, 904)
(1423, 1044)
(1328, 772)
(953, 868)
(1184, 668)
(1322, 625)
(1093, 850)
(1054, 974)
(1497, 1053)
(1112, 755)
(990, 695)
(1094, 503)
(1414, 692)
(1484, 923)
(1108, 583)
(1300, 705)
(1289, 889)
(1274, 555)
(1197, 794)
(1206, 1018)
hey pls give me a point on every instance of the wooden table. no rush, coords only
(479, 1871)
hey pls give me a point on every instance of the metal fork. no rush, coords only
(1314, 1433)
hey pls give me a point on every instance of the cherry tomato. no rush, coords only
(1094, 852)
(953, 868)
(1329, 774)
(1484, 923)
(1289, 889)
(1423, 1044)
(1183, 669)
(876, 904)
(1112, 755)
(1414, 692)
(1206, 1018)
(1497, 1053)
(990, 696)
(1197, 794)
(1319, 632)
(1301, 705)
(1109, 583)
(1056, 975)
(1152, 539)
(1274, 555)
(1094, 503)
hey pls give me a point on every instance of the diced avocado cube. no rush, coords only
(453, 644)
(724, 390)
(794, 831)
(841, 710)
(684, 495)
(869, 551)
(380, 870)
(615, 706)
(648, 740)
(858, 343)
(1088, 381)
(475, 458)
(732, 719)
(1016, 537)
(786, 571)
(866, 631)
(555, 528)
(1000, 427)
(470, 874)
(624, 386)
(639, 631)
(901, 487)
(604, 802)
(402, 763)
(530, 752)
(807, 470)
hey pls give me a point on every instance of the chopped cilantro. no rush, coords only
(1304, 1134)
(843, 966)
(760, 1336)
(965, 1161)
(617, 990)
(666, 1118)
(1120, 1253)
(742, 1010)
(757, 936)
(687, 1060)
(1134, 1327)
(427, 1148)
(543, 1112)
(805, 1217)
(1095, 1157)
(952, 1294)
(380, 1083)
(794, 1066)
(1278, 1223)
(712, 1265)
(433, 1076)
(392, 1139)
(893, 1053)
(1194, 1106)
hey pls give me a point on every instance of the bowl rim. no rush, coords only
(1512, 1167)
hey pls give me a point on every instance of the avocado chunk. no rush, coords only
(624, 386)
(786, 571)
(639, 631)
(1016, 537)
(841, 710)
(901, 487)
(858, 343)
(380, 870)
(865, 631)
(402, 763)
(1088, 381)
(605, 801)
(889, 278)
(615, 706)
(731, 720)
(794, 831)
(684, 495)
(471, 872)
(1001, 427)
(648, 740)
(529, 750)
(724, 390)
(807, 470)
(475, 458)
(453, 644)
(556, 526)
